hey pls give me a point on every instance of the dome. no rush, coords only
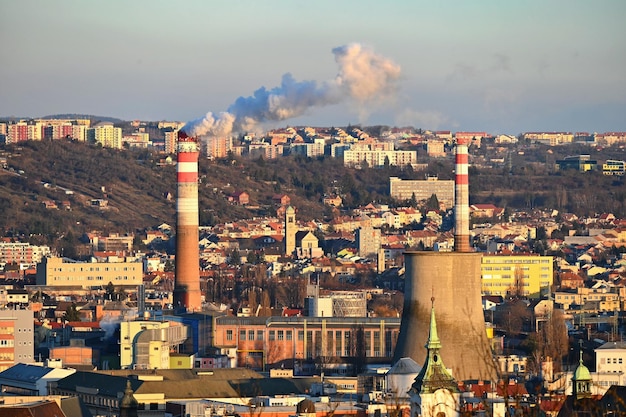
(582, 373)
(405, 366)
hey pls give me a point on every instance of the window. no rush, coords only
(301, 335)
(281, 335)
(272, 335)
(242, 335)
(250, 334)
(259, 334)
(229, 335)
(290, 337)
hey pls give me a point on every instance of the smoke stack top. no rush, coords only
(363, 75)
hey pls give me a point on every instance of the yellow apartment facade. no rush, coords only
(524, 275)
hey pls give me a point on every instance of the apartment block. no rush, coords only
(60, 272)
(106, 135)
(379, 158)
(525, 275)
(22, 253)
(16, 337)
(403, 190)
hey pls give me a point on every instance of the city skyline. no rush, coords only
(501, 68)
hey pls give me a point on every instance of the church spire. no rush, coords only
(433, 338)
(434, 374)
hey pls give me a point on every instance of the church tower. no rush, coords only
(435, 393)
(290, 231)
(581, 381)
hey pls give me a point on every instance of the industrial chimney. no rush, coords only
(461, 198)
(187, 282)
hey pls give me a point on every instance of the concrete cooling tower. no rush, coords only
(454, 280)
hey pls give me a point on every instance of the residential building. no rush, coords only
(610, 364)
(112, 243)
(588, 300)
(22, 253)
(218, 147)
(17, 132)
(171, 139)
(378, 158)
(106, 135)
(549, 138)
(403, 190)
(16, 337)
(62, 272)
(610, 138)
(436, 148)
(308, 149)
(524, 275)
(368, 241)
(473, 138)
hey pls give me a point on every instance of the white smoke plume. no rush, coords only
(363, 75)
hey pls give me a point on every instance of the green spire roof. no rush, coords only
(434, 374)
(582, 372)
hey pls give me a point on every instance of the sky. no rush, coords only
(504, 67)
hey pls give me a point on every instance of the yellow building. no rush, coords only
(614, 167)
(589, 300)
(59, 272)
(508, 275)
(181, 360)
(146, 344)
(106, 135)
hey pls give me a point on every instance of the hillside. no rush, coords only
(140, 190)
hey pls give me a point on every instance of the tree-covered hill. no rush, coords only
(139, 187)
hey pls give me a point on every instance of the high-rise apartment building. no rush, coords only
(368, 241)
(17, 132)
(106, 135)
(171, 139)
(218, 147)
(16, 337)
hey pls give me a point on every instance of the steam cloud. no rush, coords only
(362, 76)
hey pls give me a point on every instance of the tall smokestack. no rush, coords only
(461, 199)
(187, 283)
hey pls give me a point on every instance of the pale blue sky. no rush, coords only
(498, 66)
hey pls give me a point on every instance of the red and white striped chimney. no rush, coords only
(461, 198)
(187, 283)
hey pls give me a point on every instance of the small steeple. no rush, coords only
(128, 404)
(581, 381)
(434, 374)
